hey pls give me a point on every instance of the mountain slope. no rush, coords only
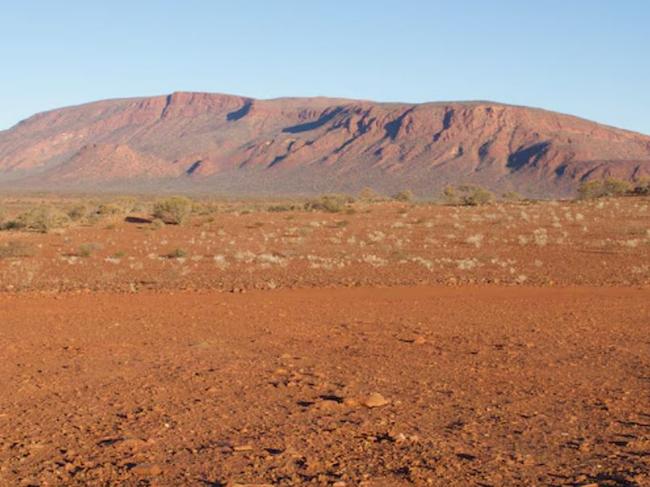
(237, 145)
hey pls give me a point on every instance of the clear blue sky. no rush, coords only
(586, 57)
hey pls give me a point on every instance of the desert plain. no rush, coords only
(383, 343)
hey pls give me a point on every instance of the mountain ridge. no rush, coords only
(194, 141)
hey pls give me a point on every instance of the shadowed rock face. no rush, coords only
(236, 145)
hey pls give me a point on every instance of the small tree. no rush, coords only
(174, 210)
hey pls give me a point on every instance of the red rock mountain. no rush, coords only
(234, 145)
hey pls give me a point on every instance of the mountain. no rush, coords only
(233, 145)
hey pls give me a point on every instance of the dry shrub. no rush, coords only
(40, 219)
(512, 196)
(467, 195)
(405, 196)
(600, 188)
(177, 254)
(282, 207)
(78, 212)
(157, 224)
(370, 195)
(87, 249)
(331, 203)
(174, 210)
(641, 187)
(3, 215)
(110, 212)
(15, 248)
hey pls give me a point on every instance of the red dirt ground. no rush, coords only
(483, 385)
(503, 345)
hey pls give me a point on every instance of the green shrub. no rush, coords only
(41, 219)
(599, 188)
(331, 203)
(175, 210)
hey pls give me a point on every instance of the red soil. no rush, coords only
(483, 386)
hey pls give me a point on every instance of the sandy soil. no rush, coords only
(429, 385)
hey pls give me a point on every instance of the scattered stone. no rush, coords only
(375, 400)
(398, 438)
(242, 448)
(351, 402)
(237, 484)
(147, 469)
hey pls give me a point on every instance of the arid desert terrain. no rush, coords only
(369, 342)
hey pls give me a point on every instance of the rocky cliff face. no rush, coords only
(236, 145)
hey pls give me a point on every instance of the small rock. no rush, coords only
(375, 400)
(147, 469)
(399, 437)
(237, 484)
(242, 448)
